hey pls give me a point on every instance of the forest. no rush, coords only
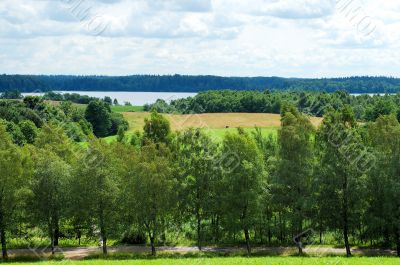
(186, 83)
(365, 107)
(338, 183)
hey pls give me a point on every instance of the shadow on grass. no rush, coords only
(32, 258)
(197, 255)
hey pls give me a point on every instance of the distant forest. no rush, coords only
(183, 83)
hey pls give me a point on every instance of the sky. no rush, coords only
(288, 38)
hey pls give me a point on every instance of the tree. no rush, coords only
(244, 179)
(383, 212)
(120, 134)
(32, 102)
(53, 138)
(29, 130)
(196, 154)
(15, 94)
(15, 132)
(108, 100)
(118, 121)
(151, 190)
(343, 163)
(116, 102)
(96, 188)
(51, 177)
(293, 179)
(12, 184)
(98, 115)
(157, 129)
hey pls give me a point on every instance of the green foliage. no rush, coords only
(383, 210)
(156, 129)
(291, 184)
(150, 192)
(12, 184)
(195, 156)
(244, 180)
(103, 121)
(121, 134)
(15, 132)
(51, 176)
(365, 107)
(118, 122)
(341, 180)
(98, 114)
(15, 94)
(24, 120)
(96, 189)
(29, 130)
(71, 97)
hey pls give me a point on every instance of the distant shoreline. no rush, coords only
(195, 84)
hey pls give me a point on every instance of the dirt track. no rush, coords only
(80, 253)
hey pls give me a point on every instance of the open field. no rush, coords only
(238, 261)
(215, 124)
(120, 108)
(214, 120)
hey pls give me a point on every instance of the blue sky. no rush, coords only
(290, 38)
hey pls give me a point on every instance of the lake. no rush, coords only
(135, 98)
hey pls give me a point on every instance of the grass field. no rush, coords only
(213, 120)
(215, 124)
(127, 108)
(238, 261)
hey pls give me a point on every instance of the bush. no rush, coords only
(133, 237)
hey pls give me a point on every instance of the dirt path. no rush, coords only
(82, 252)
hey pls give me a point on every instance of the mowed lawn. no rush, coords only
(238, 261)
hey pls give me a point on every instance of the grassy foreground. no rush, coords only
(239, 261)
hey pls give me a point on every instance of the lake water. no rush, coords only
(135, 98)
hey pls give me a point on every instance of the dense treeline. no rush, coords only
(184, 83)
(365, 107)
(23, 119)
(73, 97)
(338, 184)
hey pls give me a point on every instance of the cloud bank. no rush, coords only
(301, 38)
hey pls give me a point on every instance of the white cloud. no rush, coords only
(224, 37)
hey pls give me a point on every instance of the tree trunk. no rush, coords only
(269, 235)
(300, 244)
(280, 228)
(79, 235)
(246, 235)
(217, 229)
(3, 234)
(398, 242)
(198, 230)
(153, 247)
(345, 218)
(56, 233)
(103, 232)
(300, 250)
(103, 238)
(51, 231)
(104, 244)
(3, 240)
(320, 236)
